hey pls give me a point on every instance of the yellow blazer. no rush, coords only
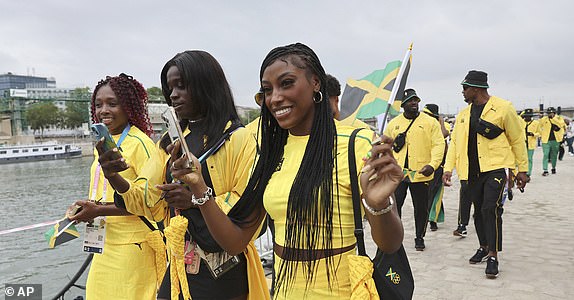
(531, 127)
(546, 125)
(424, 143)
(508, 150)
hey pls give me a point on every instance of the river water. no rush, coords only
(34, 192)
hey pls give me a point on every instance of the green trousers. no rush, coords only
(530, 155)
(550, 151)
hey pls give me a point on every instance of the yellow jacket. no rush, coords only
(508, 150)
(424, 143)
(138, 150)
(545, 125)
(531, 127)
(229, 169)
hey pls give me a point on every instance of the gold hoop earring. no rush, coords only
(320, 97)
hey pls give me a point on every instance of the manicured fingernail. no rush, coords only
(122, 159)
(369, 154)
(366, 169)
(375, 176)
(115, 149)
(376, 141)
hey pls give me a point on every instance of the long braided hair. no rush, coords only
(311, 199)
(132, 97)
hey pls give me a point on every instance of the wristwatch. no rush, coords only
(201, 201)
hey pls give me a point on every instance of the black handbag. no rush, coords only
(401, 138)
(391, 271)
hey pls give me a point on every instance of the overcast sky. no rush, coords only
(525, 46)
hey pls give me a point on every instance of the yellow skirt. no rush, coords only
(123, 271)
(319, 288)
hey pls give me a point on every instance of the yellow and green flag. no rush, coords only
(370, 96)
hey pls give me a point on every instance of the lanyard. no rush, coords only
(98, 169)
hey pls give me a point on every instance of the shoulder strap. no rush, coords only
(359, 233)
(405, 132)
(148, 223)
(225, 136)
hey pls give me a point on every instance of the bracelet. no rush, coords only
(383, 211)
(201, 201)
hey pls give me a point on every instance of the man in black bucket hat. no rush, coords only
(551, 130)
(419, 149)
(488, 139)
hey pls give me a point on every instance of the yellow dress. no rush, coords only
(126, 268)
(276, 199)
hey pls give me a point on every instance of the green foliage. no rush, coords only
(78, 110)
(154, 94)
(249, 115)
(42, 115)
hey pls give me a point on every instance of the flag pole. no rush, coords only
(381, 121)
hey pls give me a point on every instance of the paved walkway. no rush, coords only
(537, 260)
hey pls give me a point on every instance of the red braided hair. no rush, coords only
(132, 97)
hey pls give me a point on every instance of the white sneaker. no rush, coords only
(570, 153)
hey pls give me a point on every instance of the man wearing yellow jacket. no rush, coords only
(488, 138)
(531, 133)
(419, 148)
(551, 129)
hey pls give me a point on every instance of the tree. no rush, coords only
(42, 115)
(249, 115)
(78, 110)
(154, 94)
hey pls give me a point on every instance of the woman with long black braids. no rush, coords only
(301, 179)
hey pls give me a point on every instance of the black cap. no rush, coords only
(476, 79)
(431, 110)
(551, 110)
(409, 94)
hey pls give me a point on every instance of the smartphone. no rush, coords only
(175, 133)
(100, 130)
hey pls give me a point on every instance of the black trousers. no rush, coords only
(486, 193)
(464, 203)
(419, 194)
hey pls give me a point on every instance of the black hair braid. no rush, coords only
(314, 179)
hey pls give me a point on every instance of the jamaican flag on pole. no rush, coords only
(368, 97)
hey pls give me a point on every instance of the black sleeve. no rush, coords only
(119, 200)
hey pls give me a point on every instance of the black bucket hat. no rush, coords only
(529, 112)
(409, 94)
(476, 79)
(431, 110)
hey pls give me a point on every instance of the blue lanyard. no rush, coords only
(98, 168)
(123, 136)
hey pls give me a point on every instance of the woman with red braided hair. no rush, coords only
(119, 102)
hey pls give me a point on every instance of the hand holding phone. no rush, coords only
(100, 131)
(175, 133)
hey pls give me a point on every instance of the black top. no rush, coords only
(473, 163)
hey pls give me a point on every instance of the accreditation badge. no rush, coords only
(95, 235)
